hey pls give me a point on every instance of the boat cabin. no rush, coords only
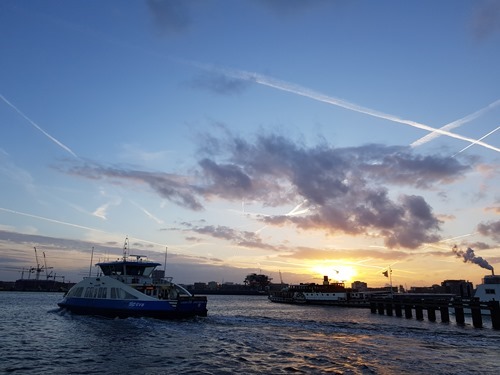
(131, 268)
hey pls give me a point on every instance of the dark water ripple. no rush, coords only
(241, 335)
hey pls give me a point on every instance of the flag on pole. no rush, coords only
(385, 273)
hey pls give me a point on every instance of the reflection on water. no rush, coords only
(244, 334)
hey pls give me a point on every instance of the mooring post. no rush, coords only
(388, 307)
(408, 312)
(397, 308)
(459, 312)
(431, 313)
(495, 313)
(445, 313)
(475, 309)
(419, 312)
(381, 308)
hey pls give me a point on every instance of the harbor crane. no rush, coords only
(39, 268)
(47, 274)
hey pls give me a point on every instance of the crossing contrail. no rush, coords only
(299, 90)
(480, 139)
(456, 124)
(38, 127)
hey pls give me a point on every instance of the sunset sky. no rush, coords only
(306, 138)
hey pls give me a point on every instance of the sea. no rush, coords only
(240, 335)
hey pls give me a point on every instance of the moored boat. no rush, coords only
(489, 290)
(127, 289)
(485, 296)
(327, 293)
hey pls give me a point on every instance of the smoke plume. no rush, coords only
(468, 256)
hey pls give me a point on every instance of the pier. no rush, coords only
(410, 306)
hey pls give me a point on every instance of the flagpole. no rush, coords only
(390, 278)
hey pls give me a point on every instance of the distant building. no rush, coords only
(213, 285)
(200, 286)
(460, 288)
(359, 285)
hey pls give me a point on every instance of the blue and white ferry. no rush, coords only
(126, 289)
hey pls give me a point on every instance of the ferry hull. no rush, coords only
(183, 308)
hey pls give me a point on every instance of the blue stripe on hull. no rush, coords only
(135, 308)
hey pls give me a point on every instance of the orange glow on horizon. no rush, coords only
(336, 272)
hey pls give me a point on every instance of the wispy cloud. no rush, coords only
(299, 90)
(60, 144)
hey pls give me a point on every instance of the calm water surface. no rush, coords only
(247, 335)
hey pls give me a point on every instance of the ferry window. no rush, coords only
(148, 270)
(490, 291)
(102, 293)
(127, 295)
(88, 292)
(75, 292)
(113, 293)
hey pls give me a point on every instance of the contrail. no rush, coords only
(455, 124)
(51, 220)
(480, 139)
(38, 127)
(295, 89)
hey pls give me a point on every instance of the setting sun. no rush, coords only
(336, 272)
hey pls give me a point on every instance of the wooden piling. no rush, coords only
(381, 308)
(419, 312)
(494, 307)
(477, 319)
(397, 309)
(388, 307)
(459, 313)
(373, 307)
(408, 311)
(445, 314)
(431, 313)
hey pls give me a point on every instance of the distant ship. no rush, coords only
(327, 293)
(127, 289)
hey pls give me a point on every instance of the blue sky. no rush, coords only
(309, 138)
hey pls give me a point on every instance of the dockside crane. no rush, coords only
(39, 268)
(46, 268)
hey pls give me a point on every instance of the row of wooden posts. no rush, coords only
(396, 307)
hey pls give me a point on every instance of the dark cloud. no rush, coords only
(346, 190)
(490, 229)
(345, 187)
(237, 237)
(234, 180)
(169, 186)
(479, 245)
(486, 19)
(287, 7)
(170, 16)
